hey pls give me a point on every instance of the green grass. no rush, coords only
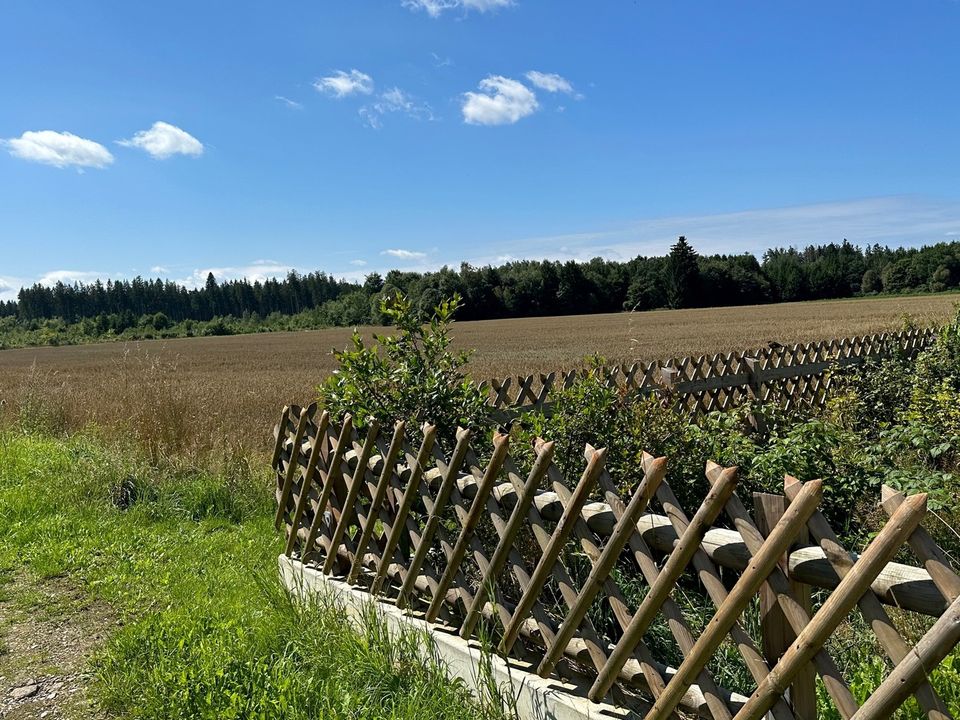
(187, 560)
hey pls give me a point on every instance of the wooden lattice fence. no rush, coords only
(786, 375)
(583, 582)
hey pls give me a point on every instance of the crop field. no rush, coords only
(222, 394)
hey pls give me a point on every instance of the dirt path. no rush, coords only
(48, 631)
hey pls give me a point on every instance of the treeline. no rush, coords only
(138, 297)
(683, 278)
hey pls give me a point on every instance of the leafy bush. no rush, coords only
(412, 374)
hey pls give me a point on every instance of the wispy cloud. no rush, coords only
(164, 140)
(358, 263)
(395, 100)
(405, 254)
(342, 83)
(292, 104)
(502, 101)
(896, 221)
(551, 82)
(441, 62)
(59, 149)
(435, 8)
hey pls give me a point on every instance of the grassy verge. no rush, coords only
(186, 559)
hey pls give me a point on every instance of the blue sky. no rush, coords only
(177, 137)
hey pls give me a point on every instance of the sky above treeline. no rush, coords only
(177, 138)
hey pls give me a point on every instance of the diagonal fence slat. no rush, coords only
(795, 614)
(660, 589)
(741, 594)
(501, 445)
(406, 503)
(713, 584)
(626, 525)
(551, 547)
(589, 645)
(506, 545)
(368, 521)
(887, 634)
(679, 628)
(448, 472)
(326, 492)
(902, 523)
(359, 473)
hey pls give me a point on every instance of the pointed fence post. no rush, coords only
(755, 371)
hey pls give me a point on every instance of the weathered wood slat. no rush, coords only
(881, 624)
(368, 521)
(933, 558)
(326, 489)
(714, 586)
(303, 498)
(676, 621)
(741, 594)
(913, 669)
(776, 631)
(548, 563)
(676, 563)
(795, 614)
(291, 469)
(505, 546)
(406, 502)
(359, 476)
(501, 444)
(449, 473)
(589, 640)
(601, 568)
(811, 639)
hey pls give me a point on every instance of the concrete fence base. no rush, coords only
(536, 698)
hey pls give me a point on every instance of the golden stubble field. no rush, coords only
(203, 394)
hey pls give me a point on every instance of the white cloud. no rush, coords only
(395, 100)
(60, 149)
(9, 288)
(341, 84)
(164, 140)
(358, 263)
(435, 8)
(503, 101)
(259, 270)
(551, 82)
(292, 104)
(69, 277)
(405, 254)
(159, 270)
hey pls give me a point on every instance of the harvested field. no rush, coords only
(174, 394)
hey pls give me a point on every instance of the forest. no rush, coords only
(136, 308)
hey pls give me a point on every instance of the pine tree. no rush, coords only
(683, 275)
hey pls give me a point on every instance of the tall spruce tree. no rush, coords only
(683, 275)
